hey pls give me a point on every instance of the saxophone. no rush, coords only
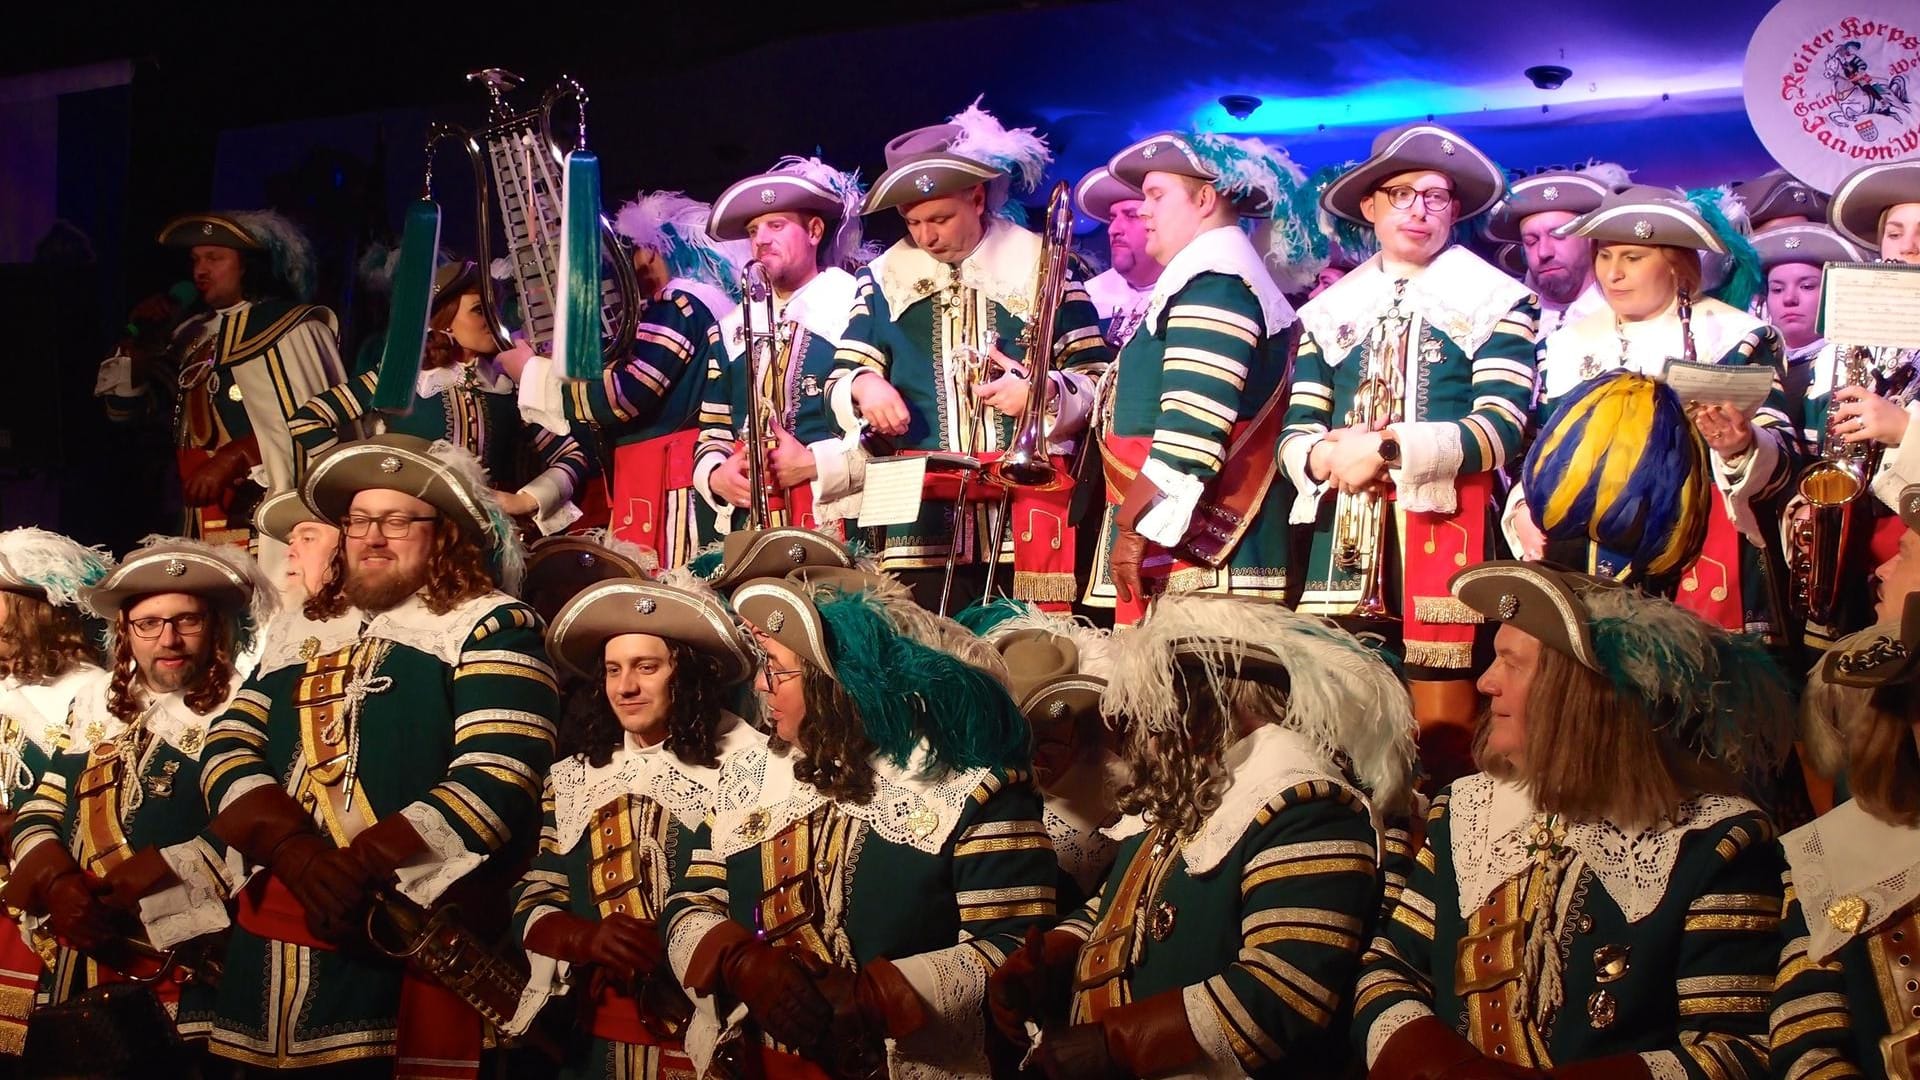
(1360, 518)
(1831, 486)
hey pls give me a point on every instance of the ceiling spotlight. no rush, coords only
(1239, 106)
(1548, 76)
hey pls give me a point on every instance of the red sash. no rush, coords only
(1711, 586)
(1439, 630)
(614, 1016)
(1121, 457)
(20, 969)
(793, 507)
(436, 1036)
(651, 480)
(1042, 538)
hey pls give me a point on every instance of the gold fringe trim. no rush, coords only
(1190, 579)
(1445, 609)
(1440, 654)
(13, 1037)
(1044, 587)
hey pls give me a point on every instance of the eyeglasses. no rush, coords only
(393, 526)
(772, 678)
(189, 625)
(1400, 196)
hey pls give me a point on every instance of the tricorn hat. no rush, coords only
(1864, 195)
(1422, 147)
(631, 606)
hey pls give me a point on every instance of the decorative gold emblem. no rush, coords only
(1847, 913)
(95, 731)
(922, 822)
(175, 568)
(797, 553)
(1610, 963)
(190, 740)
(1344, 337)
(767, 196)
(1509, 605)
(161, 786)
(1643, 228)
(1601, 1010)
(389, 464)
(644, 605)
(775, 621)
(753, 827)
(1160, 921)
(206, 229)
(310, 649)
(233, 392)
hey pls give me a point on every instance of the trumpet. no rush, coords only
(761, 357)
(1360, 518)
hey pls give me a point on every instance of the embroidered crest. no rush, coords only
(389, 464)
(924, 183)
(644, 605)
(1881, 650)
(767, 196)
(1643, 228)
(190, 740)
(206, 229)
(797, 553)
(1431, 350)
(775, 621)
(1792, 242)
(1509, 605)
(310, 648)
(233, 392)
(1847, 914)
(752, 828)
(1601, 1010)
(94, 732)
(175, 568)
(161, 786)
(1551, 193)
(1160, 921)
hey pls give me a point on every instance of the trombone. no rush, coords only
(760, 355)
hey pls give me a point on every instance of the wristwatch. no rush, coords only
(1389, 449)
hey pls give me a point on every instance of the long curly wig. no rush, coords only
(836, 756)
(1180, 774)
(210, 687)
(44, 640)
(588, 725)
(458, 570)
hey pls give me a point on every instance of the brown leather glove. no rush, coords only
(75, 913)
(385, 846)
(1034, 984)
(227, 467)
(626, 948)
(1428, 1049)
(269, 828)
(1078, 1053)
(887, 1001)
(1123, 564)
(142, 874)
(776, 988)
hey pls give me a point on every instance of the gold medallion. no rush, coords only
(1160, 921)
(1847, 913)
(922, 822)
(1601, 1010)
(233, 392)
(310, 648)
(753, 827)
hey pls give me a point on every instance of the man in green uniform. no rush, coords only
(389, 748)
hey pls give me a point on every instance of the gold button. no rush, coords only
(619, 907)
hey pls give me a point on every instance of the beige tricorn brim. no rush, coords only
(207, 230)
(402, 463)
(926, 176)
(1097, 193)
(1657, 217)
(1863, 196)
(784, 611)
(1169, 153)
(172, 567)
(1542, 600)
(1779, 194)
(622, 606)
(1477, 182)
(1813, 244)
(1034, 656)
(279, 513)
(1544, 193)
(1909, 508)
(746, 554)
(769, 193)
(1068, 699)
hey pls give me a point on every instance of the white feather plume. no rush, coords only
(1614, 175)
(287, 246)
(1343, 699)
(61, 568)
(844, 245)
(509, 553)
(1022, 152)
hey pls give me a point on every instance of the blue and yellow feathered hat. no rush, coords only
(1620, 471)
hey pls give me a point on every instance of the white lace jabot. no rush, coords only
(1848, 853)
(688, 792)
(907, 808)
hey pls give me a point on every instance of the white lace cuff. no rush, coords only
(1741, 480)
(953, 985)
(1389, 1023)
(547, 979)
(447, 859)
(240, 787)
(1664, 1065)
(1220, 1062)
(198, 904)
(840, 474)
(542, 398)
(1294, 453)
(1165, 523)
(685, 936)
(1430, 459)
(1073, 395)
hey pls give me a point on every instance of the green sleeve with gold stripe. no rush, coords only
(42, 817)
(235, 753)
(1310, 395)
(1004, 868)
(864, 344)
(1077, 343)
(544, 885)
(698, 900)
(562, 452)
(1306, 889)
(1214, 328)
(672, 341)
(1811, 1026)
(1394, 982)
(1729, 953)
(726, 389)
(1502, 403)
(315, 426)
(504, 708)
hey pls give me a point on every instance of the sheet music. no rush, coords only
(892, 493)
(1745, 386)
(1871, 304)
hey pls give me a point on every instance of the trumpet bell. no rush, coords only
(1830, 483)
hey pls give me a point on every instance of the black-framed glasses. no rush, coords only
(392, 526)
(191, 624)
(772, 678)
(1401, 196)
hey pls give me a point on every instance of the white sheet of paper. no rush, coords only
(1745, 386)
(892, 493)
(115, 377)
(1872, 305)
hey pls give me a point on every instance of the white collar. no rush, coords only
(908, 808)
(1596, 342)
(1848, 854)
(487, 375)
(822, 306)
(1001, 267)
(1491, 819)
(167, 717)
(1222, 250)
(291, 637)
(42, 709)
(688, 792)
(1805, 352)
(711, 297)
(1459, 294)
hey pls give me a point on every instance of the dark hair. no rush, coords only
(47, 640)
(835, 754)
(457, 571)
(208, 691)
(1883, 768)
(1180, 776)
(441, 348)
(588, 726)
